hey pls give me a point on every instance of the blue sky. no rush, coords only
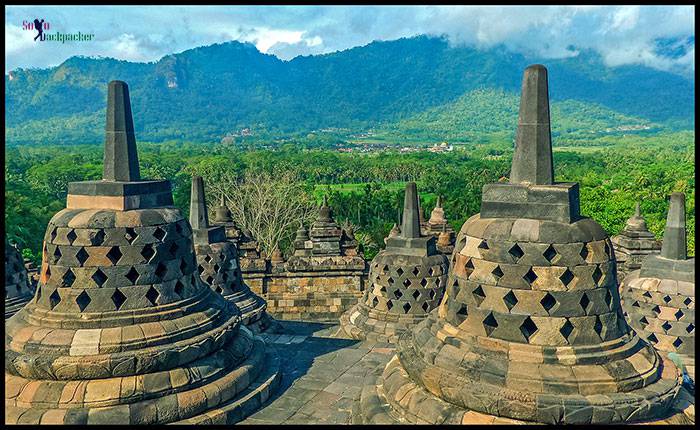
(662, 37)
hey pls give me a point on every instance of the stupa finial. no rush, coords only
(121, 162)
(532, 159)
(637, 212)
(198, 205)
(674, 245)
(410, 225)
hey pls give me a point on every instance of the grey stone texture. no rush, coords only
(222, 217)
(659, 298)
(121, 160)
(406, 282)
(123, 331)
(18, 288)
(633, 244)
(530, 327)
(439, 227)
(218, 266)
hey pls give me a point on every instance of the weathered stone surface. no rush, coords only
(633, 244)
(123, 330)
(530, 327)
(18, 288)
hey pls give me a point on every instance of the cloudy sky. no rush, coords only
(658, 36)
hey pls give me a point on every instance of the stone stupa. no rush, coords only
(530, 328)
(122, 330)
(659, 298)
(217, 263)
(222, 217)
(439, 227)
(18, 288)
(406, 281)
(633, 244)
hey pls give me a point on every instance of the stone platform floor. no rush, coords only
(323, 376)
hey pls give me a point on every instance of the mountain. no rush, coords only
(202, 94)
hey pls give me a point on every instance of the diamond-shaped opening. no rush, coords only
(406, 307)
(152, 295)
(516, 252)
(510, 300)
(68, 278)
(219, 290)
(647, 294)
(54, 232)
(548, 302)
(173, 249)
(99, 277)
(415, 271)
(71, 236)
(398, 294)
(390, 281)
(643, 320)
(425, 306)
(118, 298)
(415, 294)
(83, 300)
(490, 323)
(375, 302)
(161, 270)
(406, 282)
(608, 299)
(183, 266)
(424, 282)
(656, 309)
(216, 268)
(130, 235)
(690, 328)
(635, 304)
(678, 342)
(566, 277)
(54, 299)
(209, 280)
(132, 275)
(399, 271)
(483, 245)
(200, 269)
(497, 272)
(382, 289)
(528, 328)
(667, 299)
(530, 276)
(598, 326)
(179, 288)
(550, 253)
(389, 304)
(597, 274)
(566, 329)
(56, 255)
(98, 239)
(147, 253)
(432, 294)
(666, 325)
(584, 251)
(114, 255)
(462, 312)
(385, 268)
(436, 281)
(687, 301)
(82, 256)
(431, 272)
(679, 314)
(159, 233)
(207, 258)
(652, 338)
(479, 295)
(584, 302)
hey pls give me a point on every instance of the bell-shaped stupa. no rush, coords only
(659, 299)
(406, 281)
(18, 288)
(122, 330)
(633, 244)
(222, 217)
(439, 227)
(530, 327)
(217, 263)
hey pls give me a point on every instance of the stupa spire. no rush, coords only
(198, 205)
(637, 212)
(121, 162)
(674, 243)
(410, 225)
(532, 159)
